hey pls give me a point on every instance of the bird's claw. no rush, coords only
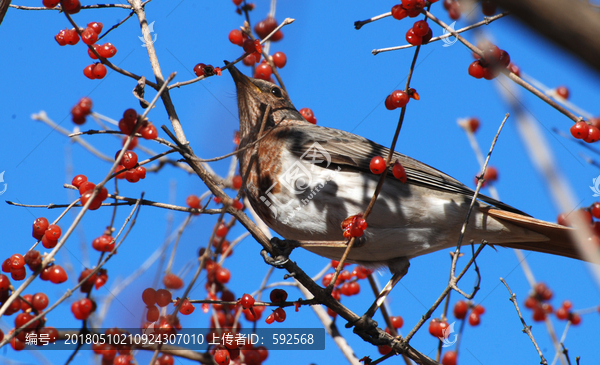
(281, 252)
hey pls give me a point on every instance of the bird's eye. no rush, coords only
(277, 92)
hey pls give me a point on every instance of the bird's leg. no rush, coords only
(281, 251)
(399, 268)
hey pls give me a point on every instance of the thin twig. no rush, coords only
(526, 329)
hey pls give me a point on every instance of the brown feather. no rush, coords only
(559, 242)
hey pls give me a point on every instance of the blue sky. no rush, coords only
(331, 70)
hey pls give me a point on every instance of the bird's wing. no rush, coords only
(354, 152)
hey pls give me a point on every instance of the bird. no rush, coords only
(304, 180)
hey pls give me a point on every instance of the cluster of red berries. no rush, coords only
(82, 109)
(346, 283)
(397, 99)
(461, 308)
(82, 308)
(378, 166)
(68, 6)
(30, 305)
(564, 313)
(410, 8)
(587, 132)
(48, 233)
(453, 8)
(97, 280)
(202, 69)
(354, 226)
(129, 169)
(490, 176)
(67, 36)
(397, 323)
(152, 298)
(104, 243)
(419, 34)
(538, 301)
(263, 70)
(489, 67)
(278, 315)
(86, 189)
(128, 122)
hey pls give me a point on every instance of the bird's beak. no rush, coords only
(241, 80)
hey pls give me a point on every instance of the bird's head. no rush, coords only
(254, 95)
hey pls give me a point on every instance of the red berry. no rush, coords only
(149, 132)
(389, 105)
(236, 182)
(263, 71)
(279, 314)
(476, 70)
(399, 98)
(71, 37)
(237, 2)
(491, 174)
(60, 37)
(247, 301)
(91, 54)
(50, 4)
(279, 59)
(163, 297)
(412, 38)
(71, 6)
(593, 135)
(249, 46)
(199, 69)
(222, 230)
(186, 307)
(88, 71)
(278, 295)
(236, 37)
(53, 232)
(479, 309)
(40, 301)
(85, 104)
(397, 321)
(172, 281)
(562, 313)
(399, 172)
(474, 319)
(89, 36)
(4, 283)
(460, 309)
(420, 28)
(17, 261)
(563, 92)
(531, 302)
(249, 60)
(580, 130)
(539, 314)
(57, 274)
(377, 165)
(193, 201)
(140, 171)
(398, 12)
(222, 357)
(265, 27)
(40, 225)
(18, 274)
(99, 71)
(595, 210)
(222, 275)
(149, 296)
(308, 114)
(473, 124)
(95, 26)
(107, 50)
(129, 159)
(575, 319)
(449, 358)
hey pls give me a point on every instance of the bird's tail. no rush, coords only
(559, 237)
